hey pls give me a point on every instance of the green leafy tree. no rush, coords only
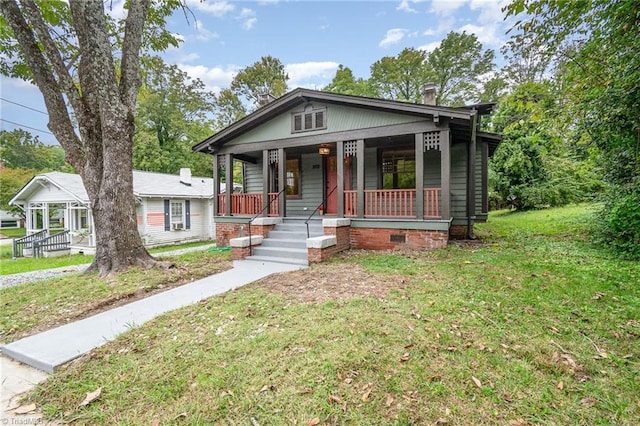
(533, 166)
(12, 181)
(345, 83)
(87, 66)
(458, 66)
(400, 77)
(173, 113)
(20, 149)
(594, 46)
(228, 109)
(264, 77)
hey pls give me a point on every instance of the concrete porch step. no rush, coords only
(291, 235)
(284, 260)
(291, 253)
(284, 243)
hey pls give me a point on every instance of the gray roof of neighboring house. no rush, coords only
(145, 185)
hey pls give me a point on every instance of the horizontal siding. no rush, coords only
(253, 177)
(371, 168)
(459, 180)
(432, 161)
(339, 118)
(478, 178)
(311, 191)
(154, 233)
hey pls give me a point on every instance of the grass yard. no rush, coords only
(35, 307)
(531, 325)
(13, 232)
(28, 264)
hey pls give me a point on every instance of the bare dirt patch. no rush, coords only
(330, 281)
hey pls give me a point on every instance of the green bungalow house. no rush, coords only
(361, 172)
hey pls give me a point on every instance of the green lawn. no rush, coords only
(28, 264)
(535, 326)
(13, 232)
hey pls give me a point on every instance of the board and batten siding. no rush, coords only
(155, 234)
(339, 118)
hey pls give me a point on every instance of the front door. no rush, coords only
(331, 182)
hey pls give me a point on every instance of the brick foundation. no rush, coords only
(239, 253)
(458, 232)
(227, 231)
(317, 255)
(343, 236)
(381, 239)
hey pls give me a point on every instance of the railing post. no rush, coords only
(419, 155)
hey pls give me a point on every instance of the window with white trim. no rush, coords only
(177, 215)
(309, 119)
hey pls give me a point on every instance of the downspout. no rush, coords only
(471, 169)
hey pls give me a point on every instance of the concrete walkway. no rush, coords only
(50, 349)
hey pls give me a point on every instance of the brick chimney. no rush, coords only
(429, 94)
(185, 176)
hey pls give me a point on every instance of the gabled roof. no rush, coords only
(145, 185)
(302, 96)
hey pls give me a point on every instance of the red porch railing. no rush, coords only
(393, 203)
(247, 204)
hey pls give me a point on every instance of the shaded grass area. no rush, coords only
(37, 306)
(535, 326)
(28, 264)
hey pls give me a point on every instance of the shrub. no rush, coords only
(619, 221)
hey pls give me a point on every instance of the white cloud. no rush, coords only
(446, 7)
(215, 8)
(404, 6)
(393, 36)
(428, 33)
(490, 10)
(311, 74)
(429, 47)
(204, 34)
(214, 78)
(18, 83)
(187, 57)
(248, 17)
(486, 34)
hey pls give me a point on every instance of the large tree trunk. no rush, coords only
(103, 107)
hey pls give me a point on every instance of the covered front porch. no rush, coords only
(390, 177)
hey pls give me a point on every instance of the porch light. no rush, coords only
(324, 150)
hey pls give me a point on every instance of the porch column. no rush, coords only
(216, 183)
(265, 182)
(282, 182)
(360, 177)
(471, 178)
(340, 173)
(419, 156)
(445, 173)
(228, 165)
(485, 177)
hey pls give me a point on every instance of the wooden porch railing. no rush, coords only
(393, 203)
(247, 204)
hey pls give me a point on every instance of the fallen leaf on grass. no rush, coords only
(560, 386)
(390, 400)
(91, 396)
(590, 402)
(314, 421)
(24, 409)
(442, 421)
(334, 398)
(518, 422)
(307, 390)
(405, 357)
(598, 296)
(477, 382)
(156, 422)
(365, 397)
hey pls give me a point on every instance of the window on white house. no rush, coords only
(177, 215)
(309, 119)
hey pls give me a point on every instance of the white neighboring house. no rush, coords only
(169, 208)
(10, 220)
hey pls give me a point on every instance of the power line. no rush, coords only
(26, 127)
(23, 106)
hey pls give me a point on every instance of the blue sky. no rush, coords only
(310, 37)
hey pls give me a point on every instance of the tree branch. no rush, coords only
(130, 71)
(59, 121)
